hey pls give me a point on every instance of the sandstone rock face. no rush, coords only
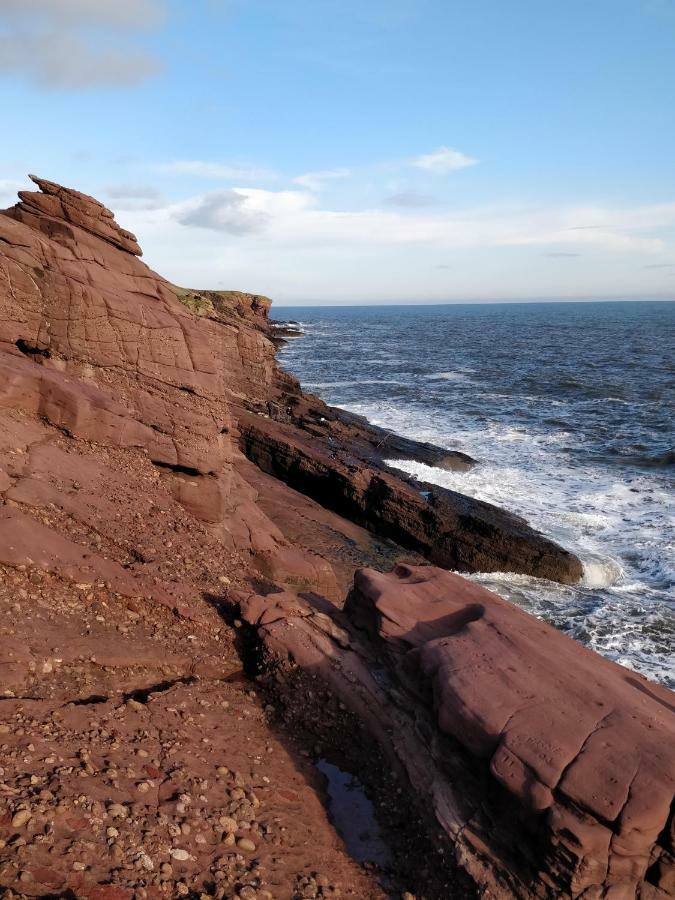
(551, 771)
(98, 345)
(131, 527)
(446, 527)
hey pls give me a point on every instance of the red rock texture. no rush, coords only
(551, 771)
(131, 525)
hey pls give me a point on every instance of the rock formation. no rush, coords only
(157, 472)
(551, 771)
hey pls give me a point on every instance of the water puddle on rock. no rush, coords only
(353, 815)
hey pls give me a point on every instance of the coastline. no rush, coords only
(195, 543)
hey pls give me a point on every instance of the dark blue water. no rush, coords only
(568, 408)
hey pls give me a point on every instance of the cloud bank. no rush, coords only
(77, 44)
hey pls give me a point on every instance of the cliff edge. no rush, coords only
(162, 484)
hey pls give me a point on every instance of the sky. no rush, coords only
(360, 151)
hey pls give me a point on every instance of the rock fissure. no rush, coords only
(163, 483)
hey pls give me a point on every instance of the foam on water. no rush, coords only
(564, 439)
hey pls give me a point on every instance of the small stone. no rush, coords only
(247, 893)
(228, 824)
(145, 861)
(79, 866)
(112, 832)
(246, 845)
(20, 818)
(229, 839)
(180, 854)
(118, 811)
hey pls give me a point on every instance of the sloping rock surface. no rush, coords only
(131, 524)
(551, 771)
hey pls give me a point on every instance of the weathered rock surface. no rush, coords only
(130, 526)
(551, 772)
(447, 528)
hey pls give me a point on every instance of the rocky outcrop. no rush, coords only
(56, 205)
(131, 524)
(447, 528)
(551, 772)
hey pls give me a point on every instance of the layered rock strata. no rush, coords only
(550, 771)
(131, 523)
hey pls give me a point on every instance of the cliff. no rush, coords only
(160, 477)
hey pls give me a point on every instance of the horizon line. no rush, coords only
(316, 303)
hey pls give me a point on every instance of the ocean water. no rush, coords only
(568, 408)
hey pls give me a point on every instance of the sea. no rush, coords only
(568, 409)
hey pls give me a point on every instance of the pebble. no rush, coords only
(118, 811)
(145, 861)
(228, 824)
(246, 844)
(20, 818)
(180, 854)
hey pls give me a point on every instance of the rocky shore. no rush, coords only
(210, 580)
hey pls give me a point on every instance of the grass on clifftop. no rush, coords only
(225, 306)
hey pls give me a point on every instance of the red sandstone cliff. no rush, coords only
(156, 471)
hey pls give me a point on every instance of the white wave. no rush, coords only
(601, 573)
(448, 376)
(320, 385)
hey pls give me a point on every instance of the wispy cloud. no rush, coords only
(133, 191)
(410, 200)
(443, 160)
(9, 186)
(316, 181)
(135, 196)
(661, 266)
(295, 218)
(126, 14)
(76, 44)
(559, 254)
(200, 168)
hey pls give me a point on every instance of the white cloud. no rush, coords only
(203, 169)
(289, 245)
(226, 211)
(410, 200)
(133, 192)
(9, 186)
(295, 218)
(75, 44)
(315, 181)
(116, 13)
(443, 160)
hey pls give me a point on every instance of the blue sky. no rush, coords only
(341, 151)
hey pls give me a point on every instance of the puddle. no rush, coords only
(353, 815)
